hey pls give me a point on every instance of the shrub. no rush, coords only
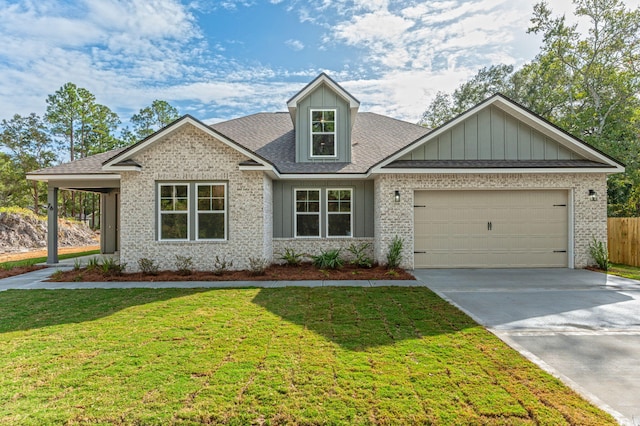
(77, 264)
(184, 265)
(329, 259)
(147, 266)
(600, 254)
(93, 263)
(394, 255)
(257, 265)
(291, 258)
(220, 266)
(112, 268)
(360, 256)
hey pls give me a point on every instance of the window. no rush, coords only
(211, 212)
(323, 133)
(339, 212)
(307, 221)
(174, 212)
(192, 211)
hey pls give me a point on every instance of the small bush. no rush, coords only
(77, 264)
(147, 266)
(360, 256)
(112, 268)
(220, 266)
(291, 258)
(57, 275)
(600, 254)
(93, 263)
(329, 259)
(394, 255)
(184, 265)
(7, 266)
(258, 266)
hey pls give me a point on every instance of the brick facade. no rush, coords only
(391, 218)
(189, 154)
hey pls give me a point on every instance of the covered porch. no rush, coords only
(85, 175)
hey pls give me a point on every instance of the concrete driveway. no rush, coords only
(582, 326)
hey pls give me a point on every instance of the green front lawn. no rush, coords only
(265, 356)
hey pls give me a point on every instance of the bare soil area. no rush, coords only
(6, 273)
(303, 272)
(12, 257)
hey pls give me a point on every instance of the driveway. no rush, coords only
(582, 326)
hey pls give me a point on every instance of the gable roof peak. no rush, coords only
(322, 78)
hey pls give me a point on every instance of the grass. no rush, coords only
(35, 260)
(265, 356)
(625, 271)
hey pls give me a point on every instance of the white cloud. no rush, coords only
(296, 45)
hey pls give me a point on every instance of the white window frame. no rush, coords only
(295, 213)
(334, 133)
(198, 211)
(187, 212)
(328, 213)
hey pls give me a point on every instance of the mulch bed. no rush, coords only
(6, 273)
(303, 272)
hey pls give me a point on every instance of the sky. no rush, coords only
(217, 60)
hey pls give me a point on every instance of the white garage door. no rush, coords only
(490, 229)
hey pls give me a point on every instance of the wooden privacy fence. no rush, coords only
(623, 237)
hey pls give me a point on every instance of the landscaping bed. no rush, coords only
(302, 272)
(12, 271)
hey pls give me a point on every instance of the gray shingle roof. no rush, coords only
(492, 164)
(271, 135)
(88, 165)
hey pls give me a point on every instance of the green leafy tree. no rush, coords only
(29, 147)
(150, 119)
(585, 82)
(84, 125)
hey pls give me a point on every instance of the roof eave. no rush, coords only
(501, 170)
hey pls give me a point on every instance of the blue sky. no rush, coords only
(222, 59)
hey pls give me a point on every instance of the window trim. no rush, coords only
(187, 212)
(328, 213)
(334, 133)
(224, 211)
(318, 214)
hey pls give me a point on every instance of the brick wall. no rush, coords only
(393, 218)
(188, 154)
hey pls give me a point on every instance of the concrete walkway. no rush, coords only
(581, 326)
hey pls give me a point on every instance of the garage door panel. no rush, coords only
(491, 228)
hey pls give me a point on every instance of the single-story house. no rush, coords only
(498, 186)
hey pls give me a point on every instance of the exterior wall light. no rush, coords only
(396, 196)
(592, 195)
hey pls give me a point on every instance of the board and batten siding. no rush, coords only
(283, 204)
(323, 98)
(491, 135)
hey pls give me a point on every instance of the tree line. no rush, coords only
(74, 126)
(587, 83)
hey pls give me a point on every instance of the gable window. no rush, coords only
(174, 212)
(339, 212)
(211, 211)
(307, 212)
(323, 133)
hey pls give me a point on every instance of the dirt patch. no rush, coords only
(22, 231)
(304, 272)
(12, 257)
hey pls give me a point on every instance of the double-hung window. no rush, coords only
(307, 211)
(192, 211)
(339, 212)
(211, 211)
(174, 211)
(323, 133)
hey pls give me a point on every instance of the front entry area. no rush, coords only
(491, 229)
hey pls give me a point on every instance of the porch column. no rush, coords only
(52, 225)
